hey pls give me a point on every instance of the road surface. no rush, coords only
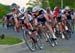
(64, 46)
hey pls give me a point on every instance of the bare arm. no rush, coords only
(46, 17)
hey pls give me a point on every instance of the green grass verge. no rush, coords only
(0, 23)
(10, 41)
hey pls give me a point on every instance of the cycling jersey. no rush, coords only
(40, 17)
(59, 17)
(55, 13)
(69, 17)
(8, 16)
(16, 15)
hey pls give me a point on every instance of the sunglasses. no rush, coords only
(13, 9)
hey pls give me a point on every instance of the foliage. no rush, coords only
(53, 3)
(4, 10)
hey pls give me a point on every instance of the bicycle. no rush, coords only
(32, 41)
(47, 35)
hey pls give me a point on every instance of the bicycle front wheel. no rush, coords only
(29, 42)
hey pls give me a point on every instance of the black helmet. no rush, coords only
(13, 6)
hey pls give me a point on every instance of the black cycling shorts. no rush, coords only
(41, 21)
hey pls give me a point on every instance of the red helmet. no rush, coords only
(56, 9)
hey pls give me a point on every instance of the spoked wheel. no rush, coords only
(32, 42)
(50, 40)
(39, 42)
(69, 33)
(66, 35)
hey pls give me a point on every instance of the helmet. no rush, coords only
(56, 8)
(13, 6)
(67, 8)
(23, 10)
(63, 10)
(36, 8)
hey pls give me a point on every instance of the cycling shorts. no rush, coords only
(41, 21)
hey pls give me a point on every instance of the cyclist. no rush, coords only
(58, 18)
(41, 18)
(50, 14)
(7, 19)
(20, 15)
(70, 17)
(26, 19)
(15, 14)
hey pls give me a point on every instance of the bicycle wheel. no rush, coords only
(50, 40)
(66, 35)
(39, 42)
(29, 42)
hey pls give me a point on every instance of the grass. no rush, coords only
(0, 22)
(10, 41)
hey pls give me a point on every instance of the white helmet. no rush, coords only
(36, 8)
(63, 10)
(23, 10)
(67, 8)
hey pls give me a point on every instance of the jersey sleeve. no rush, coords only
(15, 16)
(43, 12)
(30, 18)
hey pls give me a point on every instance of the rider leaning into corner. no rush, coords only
(20, 14)
(15, 14)
(41, 19)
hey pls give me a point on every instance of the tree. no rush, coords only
(4, 10)
(52, 3)
(42, 3)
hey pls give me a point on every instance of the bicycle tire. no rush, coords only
(30, 46)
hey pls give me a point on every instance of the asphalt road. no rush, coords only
(64, 46)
